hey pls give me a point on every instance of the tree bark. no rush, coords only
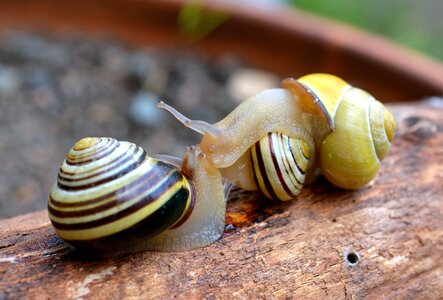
(382, 241)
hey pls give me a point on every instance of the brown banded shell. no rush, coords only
(280, 165)
(111, 196)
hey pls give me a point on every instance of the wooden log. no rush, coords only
(382, 241)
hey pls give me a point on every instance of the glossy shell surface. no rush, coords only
(363, 130)
(280, 164)
(111, 194)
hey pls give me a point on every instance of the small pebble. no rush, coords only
(246, 82)
(9, 80)
(229, 227)
(144, 110)
(435, 101)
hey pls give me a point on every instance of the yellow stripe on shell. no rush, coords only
(122, 152)
(258, 174)
(271, 172)
(79, 208)
(299, 147)
(186, 185)
(287, 168)
(111, 211)
(100, 190)
(85, 143)
(95, 169)
(305, 150)
(103, 201)
(96, 165)
(390, 124)
(298, 160)
(293, 182)
(120, 224)
(79, 155)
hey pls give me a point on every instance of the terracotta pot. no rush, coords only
(287, 42)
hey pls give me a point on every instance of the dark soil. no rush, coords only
(55, 90)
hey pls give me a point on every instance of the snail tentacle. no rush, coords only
(201, 127)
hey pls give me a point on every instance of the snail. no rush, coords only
(111, 197)
(275, 140)
(364, 129)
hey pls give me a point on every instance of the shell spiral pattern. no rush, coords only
(111, 194)
(350, 156)
(280, 164)
(364, 129)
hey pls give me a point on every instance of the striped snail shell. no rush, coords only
(110, 196)
(279, 165)
(266, 143)
(351, 155)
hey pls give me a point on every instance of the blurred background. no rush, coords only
(57, 87)
(414, 24)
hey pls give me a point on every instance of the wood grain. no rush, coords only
(393, 228)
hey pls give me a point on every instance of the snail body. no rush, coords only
(317, 111)
(110, 196)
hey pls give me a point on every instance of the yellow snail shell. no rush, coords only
(350, 156)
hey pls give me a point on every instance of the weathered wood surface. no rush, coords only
(282, 250)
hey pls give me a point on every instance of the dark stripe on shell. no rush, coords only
(254, 173)
(115, 163)
(262, 170)
(147, 228)
(126, 193)
(149, 199)
(108, 195)
(277, 167)
(95, 156)
(188, 212)
(106, 179)
(290, 171)
(102, 145)
(82, 154)
(301, 150)
(295, 161)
